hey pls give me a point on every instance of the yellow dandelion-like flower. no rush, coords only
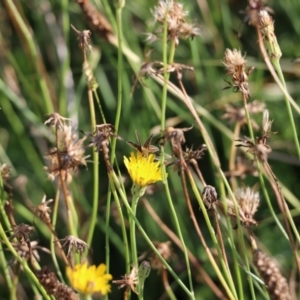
(143, 170)
(89, 280)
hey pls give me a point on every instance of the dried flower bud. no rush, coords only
(129, 281)
(209, 196)
(22, 232)
(175, 15)
(276, 284)
(42, 211)
(235, 65)
(245, 208)
(73, 243)
(266, 24)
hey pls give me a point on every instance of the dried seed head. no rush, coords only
(54, 287)
(84, 38)
(22, 232)
(165, 251)
(235, 65)
(209, 196)
(177, 26)
(260, 148)
(276, 284)
(56, 120)
(266, 124)
(101, 136)
(248, 202)
(236, 114)
(68, 157)
(71, 242)
(245, 208)
(129, 281)
(253, 9)
(28, 250)
(243, 167)
(42, 211)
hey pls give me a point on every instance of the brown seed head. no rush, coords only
(276, 284)
(71, 242)
(165, 251)
(68, 157)
(235, 65)
(129, 281)
(54, 287)
(42, 211)
(209, 196)
(177, 26)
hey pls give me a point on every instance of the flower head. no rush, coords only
(89, 280)
(143, 170)
(177, 25)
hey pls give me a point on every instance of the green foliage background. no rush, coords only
(24, 140)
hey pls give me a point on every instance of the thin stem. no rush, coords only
(149, 242)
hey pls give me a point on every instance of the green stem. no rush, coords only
(177, 225)
(123, 227)
(52, 244)
(149, 242)
(95, 174)
(277, 67)
(120, 78)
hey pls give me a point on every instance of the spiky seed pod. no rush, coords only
(54, 287)
(277, 285)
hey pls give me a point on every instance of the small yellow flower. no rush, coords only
(89, 280)
(143, 170)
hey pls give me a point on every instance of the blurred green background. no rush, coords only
(57, 62)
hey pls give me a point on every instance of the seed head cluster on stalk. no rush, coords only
(177, 25)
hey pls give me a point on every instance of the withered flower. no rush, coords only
(68, 157)
(242, 168)
(209, 196)
(175, 135)
(129, 281)
(21, 233)
(146, 148)
(71, 242)
(236, 114)
(100, 138)
(253, 10)
(235, 65)
(84, 38)
(27, 250)
(248, 202)
(260, 148)
(177, 25)
(42, 211)
(56, 120)
(165, 250)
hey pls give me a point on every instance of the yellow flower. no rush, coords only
(143, 170)
(89, 280)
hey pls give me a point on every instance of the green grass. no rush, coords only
(42, 73)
